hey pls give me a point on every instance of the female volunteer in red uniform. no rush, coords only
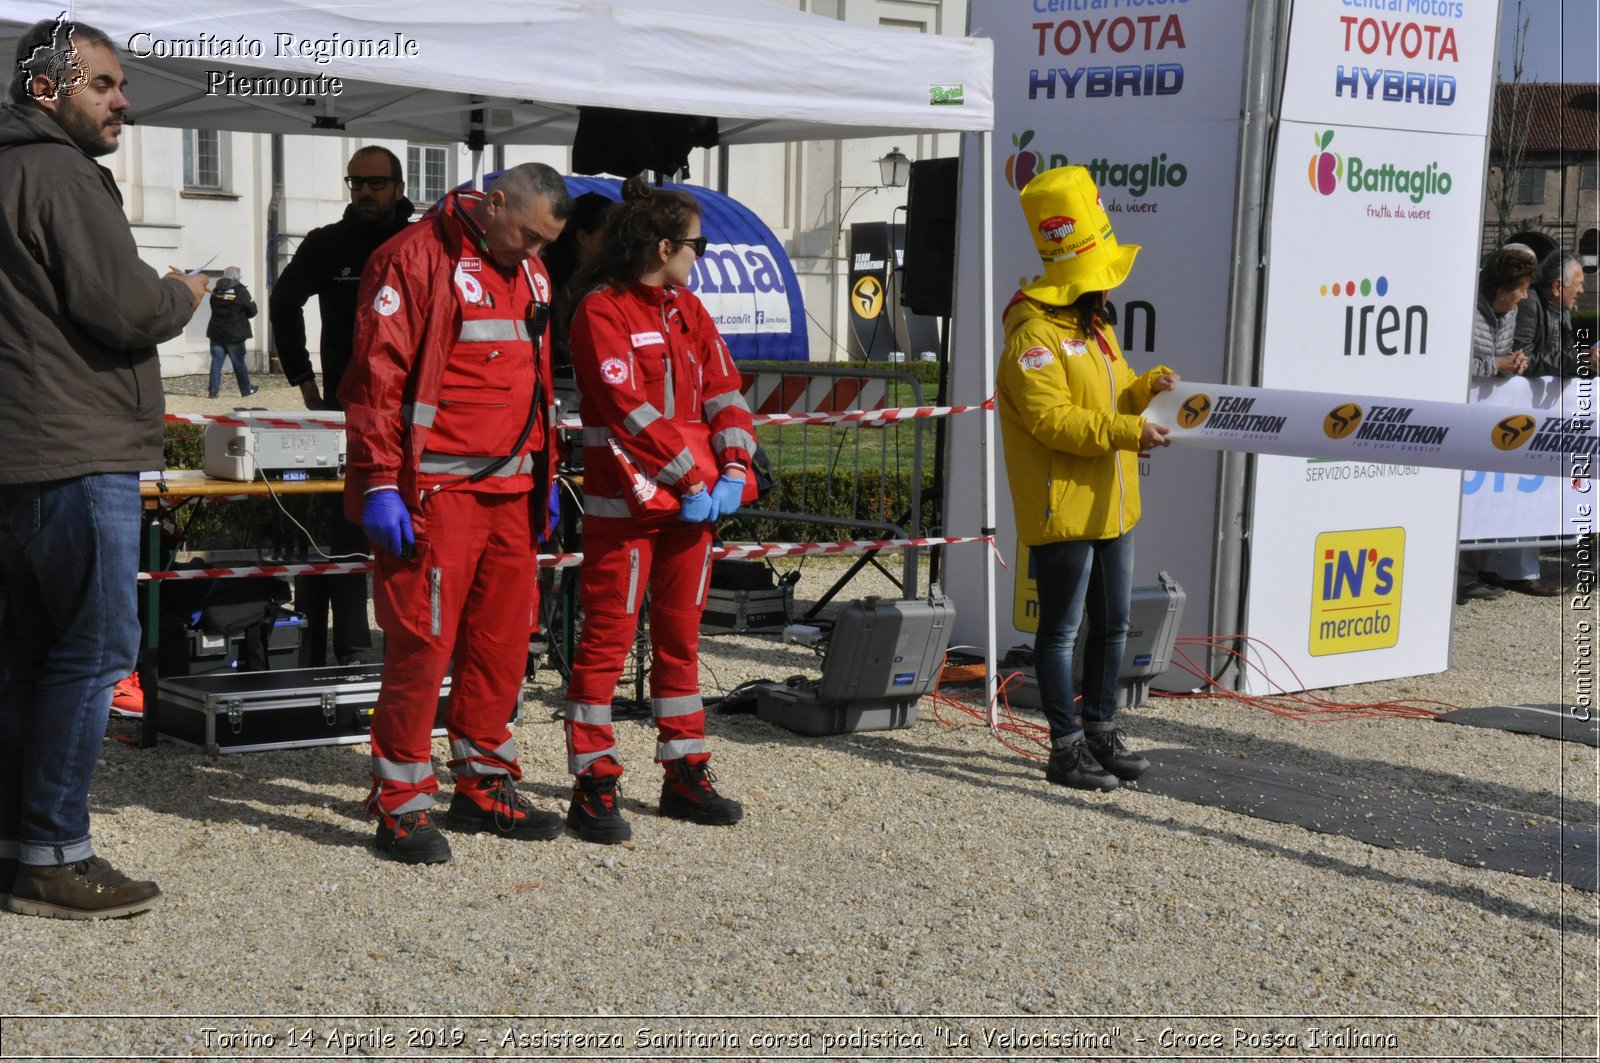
(667, 442)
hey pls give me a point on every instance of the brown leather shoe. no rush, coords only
(1537, 587)
(88, 889)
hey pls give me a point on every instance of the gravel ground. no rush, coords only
(914, 892)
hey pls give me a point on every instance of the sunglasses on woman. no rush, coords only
(696, 242)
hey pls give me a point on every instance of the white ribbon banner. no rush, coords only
(1365, 428)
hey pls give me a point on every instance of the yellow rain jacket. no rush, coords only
(1070, 416)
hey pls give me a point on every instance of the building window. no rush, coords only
(1530, 186)
(1589, 175)
(427, 172)
(202, 159)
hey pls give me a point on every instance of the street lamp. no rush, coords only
(894, 169)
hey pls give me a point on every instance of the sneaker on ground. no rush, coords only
(411, 838)
(251, 390)
(491, 803)
(1478, 591)
(128, 696)
(594, 814)
(1114, 756)
(88, 889)
(687, 793)
(1076, 767)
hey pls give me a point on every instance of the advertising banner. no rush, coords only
(871, 266)
(1498, 505)
(1413, 64)
(1375, 205)
(1146, 98)
(744, 279)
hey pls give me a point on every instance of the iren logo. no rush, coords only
(1355, 598)
(1389, 328)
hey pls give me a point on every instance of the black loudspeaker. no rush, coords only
(930, 272)
(629, 142)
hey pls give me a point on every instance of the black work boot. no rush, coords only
(1115, 757)
(594, 814)
(411, 838)
(687, 793)
(8, 874)
(87, 889)
(1076, 767)
(491, 803)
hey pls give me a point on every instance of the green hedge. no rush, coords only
(841, 494)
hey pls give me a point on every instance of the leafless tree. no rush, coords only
(1508, 135)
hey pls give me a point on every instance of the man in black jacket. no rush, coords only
(80, 417)
(231, 311)
(328, 265)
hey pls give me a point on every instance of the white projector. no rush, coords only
(253, 453)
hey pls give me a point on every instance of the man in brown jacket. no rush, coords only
(80, 417)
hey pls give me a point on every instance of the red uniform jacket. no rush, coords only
(656, 378)
(444, 368)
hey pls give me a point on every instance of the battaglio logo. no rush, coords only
(1134, 178)
(1328, 169)
(1355, 591)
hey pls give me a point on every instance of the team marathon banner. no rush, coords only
(1362, 428)
(733, 552)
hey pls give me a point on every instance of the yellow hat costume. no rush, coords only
(1073, 235)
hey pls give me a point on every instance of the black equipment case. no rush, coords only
(248, 712)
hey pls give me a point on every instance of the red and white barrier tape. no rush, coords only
(737, 551)
(884, 416)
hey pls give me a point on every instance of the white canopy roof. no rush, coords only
(769, 73)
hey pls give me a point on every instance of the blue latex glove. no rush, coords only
(728, 493)
(553, 510)
(387, 522)
(698, 508)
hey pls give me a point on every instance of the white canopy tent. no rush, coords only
(416, 70)
(770, 73)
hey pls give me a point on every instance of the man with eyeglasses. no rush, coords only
(328, 264)
(450, 426)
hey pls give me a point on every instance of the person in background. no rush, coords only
(81, 410)
(1070, 414)
(328, 265)
(667, 442)
(1543, 332)
(1503, 284)
(231, 311)
(447, 408)
(568, 260)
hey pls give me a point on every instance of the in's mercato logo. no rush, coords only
(1328, 169)
(1134, 178)
(1355, 592)
(1391, 328)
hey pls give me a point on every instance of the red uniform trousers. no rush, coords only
(470, 593)
(673, 560)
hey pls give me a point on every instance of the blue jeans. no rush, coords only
(1079, 578)
(235, 353)
(69, 562)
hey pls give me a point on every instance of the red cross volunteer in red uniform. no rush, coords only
(667, 442)
(450, 456)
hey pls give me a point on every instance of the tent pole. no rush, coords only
(986, 352)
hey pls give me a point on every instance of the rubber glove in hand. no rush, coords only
(387, 522)
(728, 493)
(698, 508)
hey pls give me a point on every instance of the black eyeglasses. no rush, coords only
(696, 242)
(377, 184)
